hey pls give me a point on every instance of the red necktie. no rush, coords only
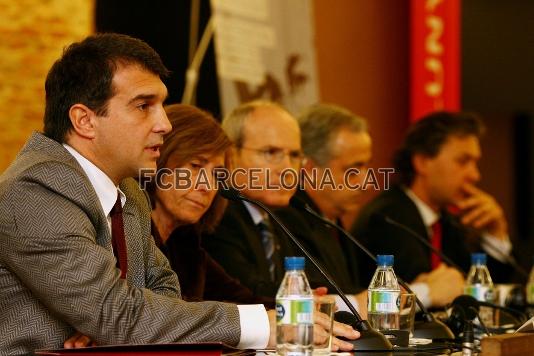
(117, 237)
(435, 260)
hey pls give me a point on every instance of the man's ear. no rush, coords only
(420, 163)
(83, 120)
(308, 164)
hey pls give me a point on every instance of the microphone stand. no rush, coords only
(370, 339)
(422, 240)
(507, 259)
(430, 327)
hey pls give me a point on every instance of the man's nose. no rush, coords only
(474, 173)
(163, 125)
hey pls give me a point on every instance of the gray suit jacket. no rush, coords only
(58, 273)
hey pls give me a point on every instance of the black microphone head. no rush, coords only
(516, 298)
(230, 193)
(468, 305)
(297, 202)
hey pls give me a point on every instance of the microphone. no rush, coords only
(466, 308)
(370, 339)
(431, 328)
(421, 239)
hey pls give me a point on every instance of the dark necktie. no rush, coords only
(267, 240)
(118, 239)
(435, 260)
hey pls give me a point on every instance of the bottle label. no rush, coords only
(480, 292)
(294, 311)
(383, 301)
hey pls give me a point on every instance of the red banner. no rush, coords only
(435, 56)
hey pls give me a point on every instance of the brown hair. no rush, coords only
(428, 135)
(84, 74)
(194, 132)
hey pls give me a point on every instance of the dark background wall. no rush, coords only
(497, 82)
(164, 24)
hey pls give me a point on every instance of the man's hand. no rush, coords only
(77, 341)
(339, 329)
(320, 333)
(444, 284)
(481, 211)
(320, 291)
(271, 314)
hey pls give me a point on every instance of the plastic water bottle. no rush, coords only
(530, 287)
(480, 286)
(294, 311)
(383, 299)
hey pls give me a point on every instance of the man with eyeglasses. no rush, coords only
(266, 156)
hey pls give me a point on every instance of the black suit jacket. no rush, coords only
(236, 245)
(334, 252)
(201, 277)
(411, 256)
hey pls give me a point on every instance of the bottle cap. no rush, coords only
(478, 258)
(385, 260)
(294, 263)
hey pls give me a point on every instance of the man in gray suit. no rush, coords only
(68, 205)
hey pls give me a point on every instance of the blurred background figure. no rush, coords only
(437, 197)
(334, 140)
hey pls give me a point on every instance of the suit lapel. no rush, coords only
(134, 243)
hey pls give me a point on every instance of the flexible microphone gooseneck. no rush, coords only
(431, 328)
(421, 239)
(507, 259)
(370, 339)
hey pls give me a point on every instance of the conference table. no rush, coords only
(206, 349)
(498, 345)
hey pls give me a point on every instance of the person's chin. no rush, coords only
(149, 164)
(188, 220)
(279, 201)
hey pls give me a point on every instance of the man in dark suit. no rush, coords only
(334, 141)
(76, 251)
(247, 243)
(437, 164)
(268, 137)
(337, 145)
